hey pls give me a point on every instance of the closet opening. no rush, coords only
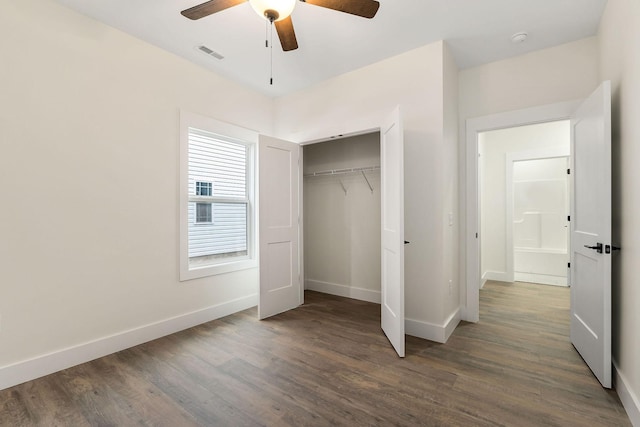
(341, 217)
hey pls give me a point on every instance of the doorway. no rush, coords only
(591, 246)
(524, 203)
(471, 238)
(341, 211)
(281, 218)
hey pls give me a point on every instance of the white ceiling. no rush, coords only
(332, 43)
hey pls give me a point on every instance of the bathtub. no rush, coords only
(539, 265)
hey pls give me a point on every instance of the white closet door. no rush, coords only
(280, 284)
(392, 222)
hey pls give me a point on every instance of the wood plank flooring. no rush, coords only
(328, 363)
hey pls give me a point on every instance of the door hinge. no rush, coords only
(476, 235)
(568, 265)
(568, 171)
(569, 218)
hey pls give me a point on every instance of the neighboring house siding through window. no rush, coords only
(218, 198)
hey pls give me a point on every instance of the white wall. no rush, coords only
(342, 230)
(619, 46)
(450, 222)
(360, 100)
(88, 177)
(494, 148)
(561, 73)
(558, 74)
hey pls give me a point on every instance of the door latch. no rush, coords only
(608, 249)
(597, 247)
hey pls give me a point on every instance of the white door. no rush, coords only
(392, 221)
(280, 285)
(591, 232)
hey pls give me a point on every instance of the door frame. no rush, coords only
(542, 114)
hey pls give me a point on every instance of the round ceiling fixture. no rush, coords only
(519, 37)
(273, 10)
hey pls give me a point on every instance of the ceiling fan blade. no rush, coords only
(286, 34)
(363, 8)
(209, 8)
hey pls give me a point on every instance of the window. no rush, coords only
(216, 197)
(203, 188)
(203, 213)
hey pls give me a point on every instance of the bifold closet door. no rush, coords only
(279, 234)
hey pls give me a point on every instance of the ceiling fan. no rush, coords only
(278, 12)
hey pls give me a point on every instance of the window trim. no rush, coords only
(226, 132)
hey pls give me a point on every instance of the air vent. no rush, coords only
(210, 52)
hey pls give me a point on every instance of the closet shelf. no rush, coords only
(344, 171)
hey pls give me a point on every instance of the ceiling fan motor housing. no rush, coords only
(271, 14)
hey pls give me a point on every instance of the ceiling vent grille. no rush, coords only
(210, 52)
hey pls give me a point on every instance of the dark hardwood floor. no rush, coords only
(328, 363)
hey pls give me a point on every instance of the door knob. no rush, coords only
(597, 247)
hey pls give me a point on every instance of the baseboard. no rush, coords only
(343, 291)
(452, 323)
(431, 331)
(53, 362)
(544, 279)
(499, 276)
(627, 396)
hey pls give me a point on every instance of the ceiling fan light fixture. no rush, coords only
(273, 10)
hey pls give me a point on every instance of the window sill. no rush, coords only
(187, 273)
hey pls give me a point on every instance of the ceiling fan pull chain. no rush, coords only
(271, 56)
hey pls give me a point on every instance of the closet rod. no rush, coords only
(344, 171)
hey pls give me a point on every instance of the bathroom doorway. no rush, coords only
(524, 203)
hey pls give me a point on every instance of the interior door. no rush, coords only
(392, 221)
(280, 284)
(591, 232)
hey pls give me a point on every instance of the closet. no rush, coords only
(341, 211)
